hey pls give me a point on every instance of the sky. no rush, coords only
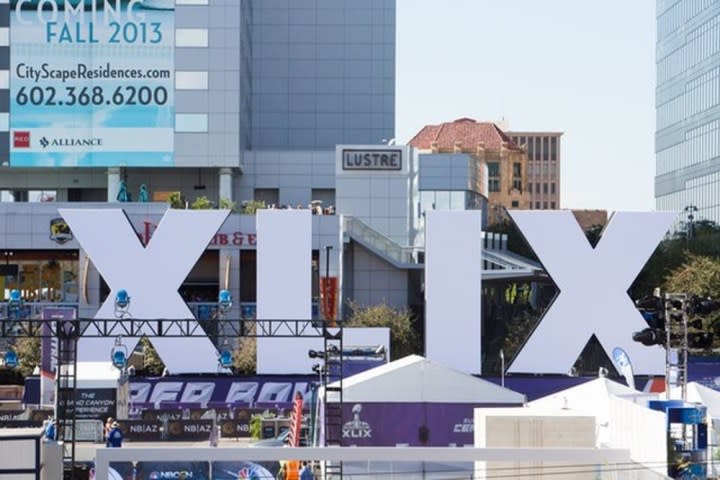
(586, 68)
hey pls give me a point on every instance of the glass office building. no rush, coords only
(687, 142)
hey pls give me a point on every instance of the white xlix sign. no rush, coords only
(593, 286)
(150, 274)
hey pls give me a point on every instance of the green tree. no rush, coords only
(201, 203)
(176, 200)
(153, 364)
(245, 355)
(698, 275)
(28, 352)
(403, 335)
(226, 204)
(252, 206)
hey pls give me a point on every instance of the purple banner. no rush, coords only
(216, 392)
(411, 424)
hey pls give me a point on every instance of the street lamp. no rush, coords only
(690, 209)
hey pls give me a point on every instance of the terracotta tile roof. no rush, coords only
(469, 132)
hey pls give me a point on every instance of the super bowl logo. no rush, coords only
(356, 428)
(60, 231)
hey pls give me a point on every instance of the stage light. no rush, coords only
(15, 301)
(122, 303)
(650, 336)
(316, 354)
(119, 354)
(225, 300)
(11, 359)
(225, 358)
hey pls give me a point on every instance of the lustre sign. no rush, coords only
(371, 159)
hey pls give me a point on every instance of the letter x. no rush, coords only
(151, 275)
(593, 286)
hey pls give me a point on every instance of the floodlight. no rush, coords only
(225, 300)
(119, 355)
(11, 359)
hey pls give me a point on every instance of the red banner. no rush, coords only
(328, 297)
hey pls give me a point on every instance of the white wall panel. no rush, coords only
(284, 290)
(453, 264)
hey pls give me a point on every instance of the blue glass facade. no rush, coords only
(687, 140)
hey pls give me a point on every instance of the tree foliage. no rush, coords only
(245, 355)
(403, 335)
(698, 275)
(28, 352)
(153, 364)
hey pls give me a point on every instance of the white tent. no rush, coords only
(417, 379)
(622, 417)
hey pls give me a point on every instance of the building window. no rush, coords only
(537, 188)
(515, 204)
(545, 205)
(546, 149)
(32, 196)
(517, 169)
(538, 148)
(271, 196)
(191, 80)
(537, 205)
(552, 188)
(545, 188)
(552, 205)
(553, 148)
(191, 37)
(493, 176)
(530, 187)
(191, 122)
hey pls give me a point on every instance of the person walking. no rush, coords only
(115, 436)
(50, 431)
(306, 472)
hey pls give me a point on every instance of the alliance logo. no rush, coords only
(60, 231)
(70, 142)
(21, 139)
(356, 428)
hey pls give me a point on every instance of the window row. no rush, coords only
(547, 188)
(679, 14)
(700, 94)
(700, 44)
(702, 192)
(543, 206)
(543, 170)
(540, 148)
(701, 144)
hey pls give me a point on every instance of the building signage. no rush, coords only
(371, 159)
(91, 83)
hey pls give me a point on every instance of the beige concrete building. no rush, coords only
(543, 154)
(507, 163)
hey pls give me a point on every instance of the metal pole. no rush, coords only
(502, 368)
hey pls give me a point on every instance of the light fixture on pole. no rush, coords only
(119, 355)
(122, 304)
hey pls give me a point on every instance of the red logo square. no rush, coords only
(21, 139)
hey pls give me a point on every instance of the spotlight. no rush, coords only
(225, 358)
(225, 300)
(15, 300)
(650, 336)
(11, 359)
(316, 354)
(122, 303)
(119, 354)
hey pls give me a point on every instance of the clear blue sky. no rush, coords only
(583, 67)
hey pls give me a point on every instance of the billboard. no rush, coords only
(91, 83)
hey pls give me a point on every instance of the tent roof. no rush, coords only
(589, 395)
(97, 375)
(416, 379)
(697, 393)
